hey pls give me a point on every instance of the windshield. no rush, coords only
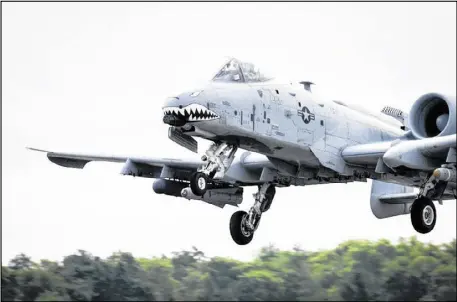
(237, 71)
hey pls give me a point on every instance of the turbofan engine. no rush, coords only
(433, 114)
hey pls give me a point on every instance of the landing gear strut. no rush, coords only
(423, 211)
(242, 224)
(218, 159)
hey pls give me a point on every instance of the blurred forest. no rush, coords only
(353, 271)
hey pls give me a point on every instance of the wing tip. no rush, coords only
(36, 149)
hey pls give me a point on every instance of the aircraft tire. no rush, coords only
(199, 183)
(237, 229)
(423, 215)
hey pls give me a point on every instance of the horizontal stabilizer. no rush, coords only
(395, 113)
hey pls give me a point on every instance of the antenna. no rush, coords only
(307, 85)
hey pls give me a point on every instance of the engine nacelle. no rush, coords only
(433, 114)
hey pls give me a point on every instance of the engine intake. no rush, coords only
(433, 114)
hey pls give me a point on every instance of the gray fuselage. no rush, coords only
(284, 121)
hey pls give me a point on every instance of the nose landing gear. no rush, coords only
(244, 224)
(199, 183)
(218, 159)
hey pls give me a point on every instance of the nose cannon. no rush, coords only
(170, 118)
(171, 109)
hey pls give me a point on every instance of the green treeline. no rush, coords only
(354, 271)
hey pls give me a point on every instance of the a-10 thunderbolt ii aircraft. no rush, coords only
(293, 138)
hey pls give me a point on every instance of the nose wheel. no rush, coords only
(423, 215)
(244, 224)
(218, 159)
(199, 183)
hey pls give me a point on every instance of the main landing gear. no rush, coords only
(242, 224)
(218, 159)
(423, 211)
(423, 215)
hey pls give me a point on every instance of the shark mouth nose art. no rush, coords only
(190, 113)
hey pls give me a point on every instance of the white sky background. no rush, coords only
(93, 77)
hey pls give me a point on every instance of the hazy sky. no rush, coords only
(93, 77)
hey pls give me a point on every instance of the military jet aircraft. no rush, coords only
(292, 138)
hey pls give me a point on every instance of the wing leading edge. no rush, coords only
(148, 167)
(422, 154)
(79, 160)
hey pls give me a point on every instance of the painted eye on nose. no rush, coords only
(196, 93)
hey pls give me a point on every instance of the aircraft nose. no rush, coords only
(186, 108)
(171, 108)
(176, 101)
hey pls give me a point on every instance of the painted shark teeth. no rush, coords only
(192, 113)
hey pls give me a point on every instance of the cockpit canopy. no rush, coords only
(236, 71)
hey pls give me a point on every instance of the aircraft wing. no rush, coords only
(422, 154)
(134, 165)
(171, 174)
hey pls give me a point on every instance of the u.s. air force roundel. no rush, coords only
(306, 115)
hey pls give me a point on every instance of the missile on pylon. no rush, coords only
(445, 174)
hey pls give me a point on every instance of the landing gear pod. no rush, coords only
(382, 208)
